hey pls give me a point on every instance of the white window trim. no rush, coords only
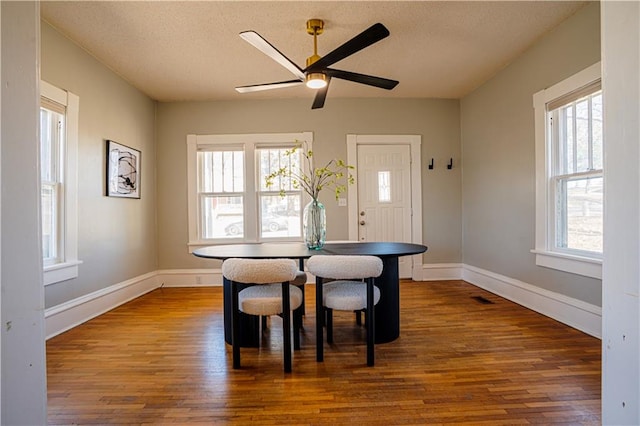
(192, 176)
(67, 269)
(545, 256)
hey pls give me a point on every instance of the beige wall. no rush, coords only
(117, 236)
(493, 209)
(498, 157)
(438, 122)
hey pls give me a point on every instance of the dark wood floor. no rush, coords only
(162, 359)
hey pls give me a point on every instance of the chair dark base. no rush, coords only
(326, 314)
(286, 326)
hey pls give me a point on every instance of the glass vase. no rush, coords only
(314, 225)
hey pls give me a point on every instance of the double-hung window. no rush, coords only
(221, 192)
(569, 174)
(228, 199)
(58, 175)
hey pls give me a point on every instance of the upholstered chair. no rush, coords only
(272, 294)
(352, 289)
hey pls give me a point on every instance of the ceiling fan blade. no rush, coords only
(383, 83)
(268, 49)
(371, 35)
(321, 95)
(267, 86)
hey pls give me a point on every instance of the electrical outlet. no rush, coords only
(342, 202)
(198, 279)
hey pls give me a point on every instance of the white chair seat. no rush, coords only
(347, 295)
(267, 299)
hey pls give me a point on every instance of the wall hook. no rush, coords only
(450, 165)
(431, 165)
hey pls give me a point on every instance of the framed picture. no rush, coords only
(123, 171)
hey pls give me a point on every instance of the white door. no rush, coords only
(384, 196)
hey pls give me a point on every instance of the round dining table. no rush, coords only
(387, 311)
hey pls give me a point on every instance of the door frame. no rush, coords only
(414, 142)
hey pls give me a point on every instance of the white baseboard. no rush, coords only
(190, 277)
(572, 312)
(441, 271)
(65, 316)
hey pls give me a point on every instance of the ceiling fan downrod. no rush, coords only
(315, 27)
(315, 80)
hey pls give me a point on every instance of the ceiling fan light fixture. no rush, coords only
(315, 80)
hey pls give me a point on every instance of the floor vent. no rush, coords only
(482, 300)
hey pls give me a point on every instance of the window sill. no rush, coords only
(61, 272)
(194, 245)
(231, 241)
(585, 266)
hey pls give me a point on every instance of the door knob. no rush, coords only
(362, 222)
(362, 213)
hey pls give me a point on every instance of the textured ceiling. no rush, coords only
(191, 50)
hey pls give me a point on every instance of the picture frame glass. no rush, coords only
(123, 170)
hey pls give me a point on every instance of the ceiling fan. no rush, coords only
(317, 74)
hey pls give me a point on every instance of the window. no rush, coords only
(569, 174)
(58, 174)
(576, 134)
(228, 198)
(221, 192)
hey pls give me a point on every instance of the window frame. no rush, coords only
(249, 143)
(55, 184)
(67, 266)
(204, 195)
(546, 255)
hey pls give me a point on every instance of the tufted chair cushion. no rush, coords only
(344, 267)
(259, 271)
(267, 299)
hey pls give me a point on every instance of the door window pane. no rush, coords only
(384, 187)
